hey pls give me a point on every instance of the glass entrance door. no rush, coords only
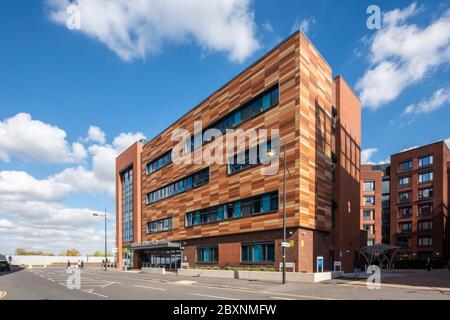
(168, 259)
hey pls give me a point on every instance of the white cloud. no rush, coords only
(437, 100)
(134, 29)
(30, 139)
(95, 134)
(367, 154)
(33, 211)
(303, 24)
(402, 54)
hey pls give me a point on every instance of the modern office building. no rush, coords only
(419, 202)
(230, 214)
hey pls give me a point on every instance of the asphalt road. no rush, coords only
(51, 283)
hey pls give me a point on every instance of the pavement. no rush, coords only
(95, 284)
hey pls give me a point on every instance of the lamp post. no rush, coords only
(106, 237)
(271, 154)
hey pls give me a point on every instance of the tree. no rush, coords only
(99, 253)
(70, 253)
(24, 252)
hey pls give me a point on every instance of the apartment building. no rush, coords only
(419, 202)
(371, 203)
(201, 214)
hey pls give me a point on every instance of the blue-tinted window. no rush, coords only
(160, 162)
(160, 225)
(127, 205)
(425, 177)
(193, 181)
(258, 253)
(207, 255)
(246, 112)
(235, 164)
(406, 165)
(425, 161)
(246, 207)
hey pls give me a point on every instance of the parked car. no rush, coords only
(4, 264)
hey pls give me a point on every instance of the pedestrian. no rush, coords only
(448, 264)
(82, 264)
(357, 265)
(68, 264)
(10, 260)
(428, 264)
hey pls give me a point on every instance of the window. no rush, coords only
(193, 181)
(369, 200)
(127, 205)
(369, 243)
(370, 228)
(405, 212)
(405, 227)
(425, 241)
(406, 165)
(425, 209)
(207, 255)
(404, 196)
(404, 242)
(333, 120)
(426, 177)
(248, 111)
(243, 208)
(250, 158)
(258, 253)
(425, 225)
(386, 186)
(425, 193)
(160, 225)
(160, 162)
(369, 186)
(425, 161)
(404, 181)
(368, 214)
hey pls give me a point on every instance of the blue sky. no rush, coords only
(64, 82)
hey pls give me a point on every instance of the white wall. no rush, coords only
(48, 260)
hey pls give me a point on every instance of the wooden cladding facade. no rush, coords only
(303, 118)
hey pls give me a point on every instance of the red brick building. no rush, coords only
(371, 203)
(225, 215)
(419, 202)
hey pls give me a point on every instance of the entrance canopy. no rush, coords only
(153, 245)
(381, 253)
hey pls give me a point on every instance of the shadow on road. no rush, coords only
(13, 270)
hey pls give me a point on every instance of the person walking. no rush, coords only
(357, 265)
(10, 260)
(68, 264)
(82, 264)
(428, 264)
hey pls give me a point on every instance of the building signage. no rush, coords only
(285, 244)
(319, 264)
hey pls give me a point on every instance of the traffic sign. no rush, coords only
(285, 244)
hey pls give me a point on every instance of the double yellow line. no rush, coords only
(2, 294)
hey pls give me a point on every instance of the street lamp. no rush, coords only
(271, 154)
(106, 237)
